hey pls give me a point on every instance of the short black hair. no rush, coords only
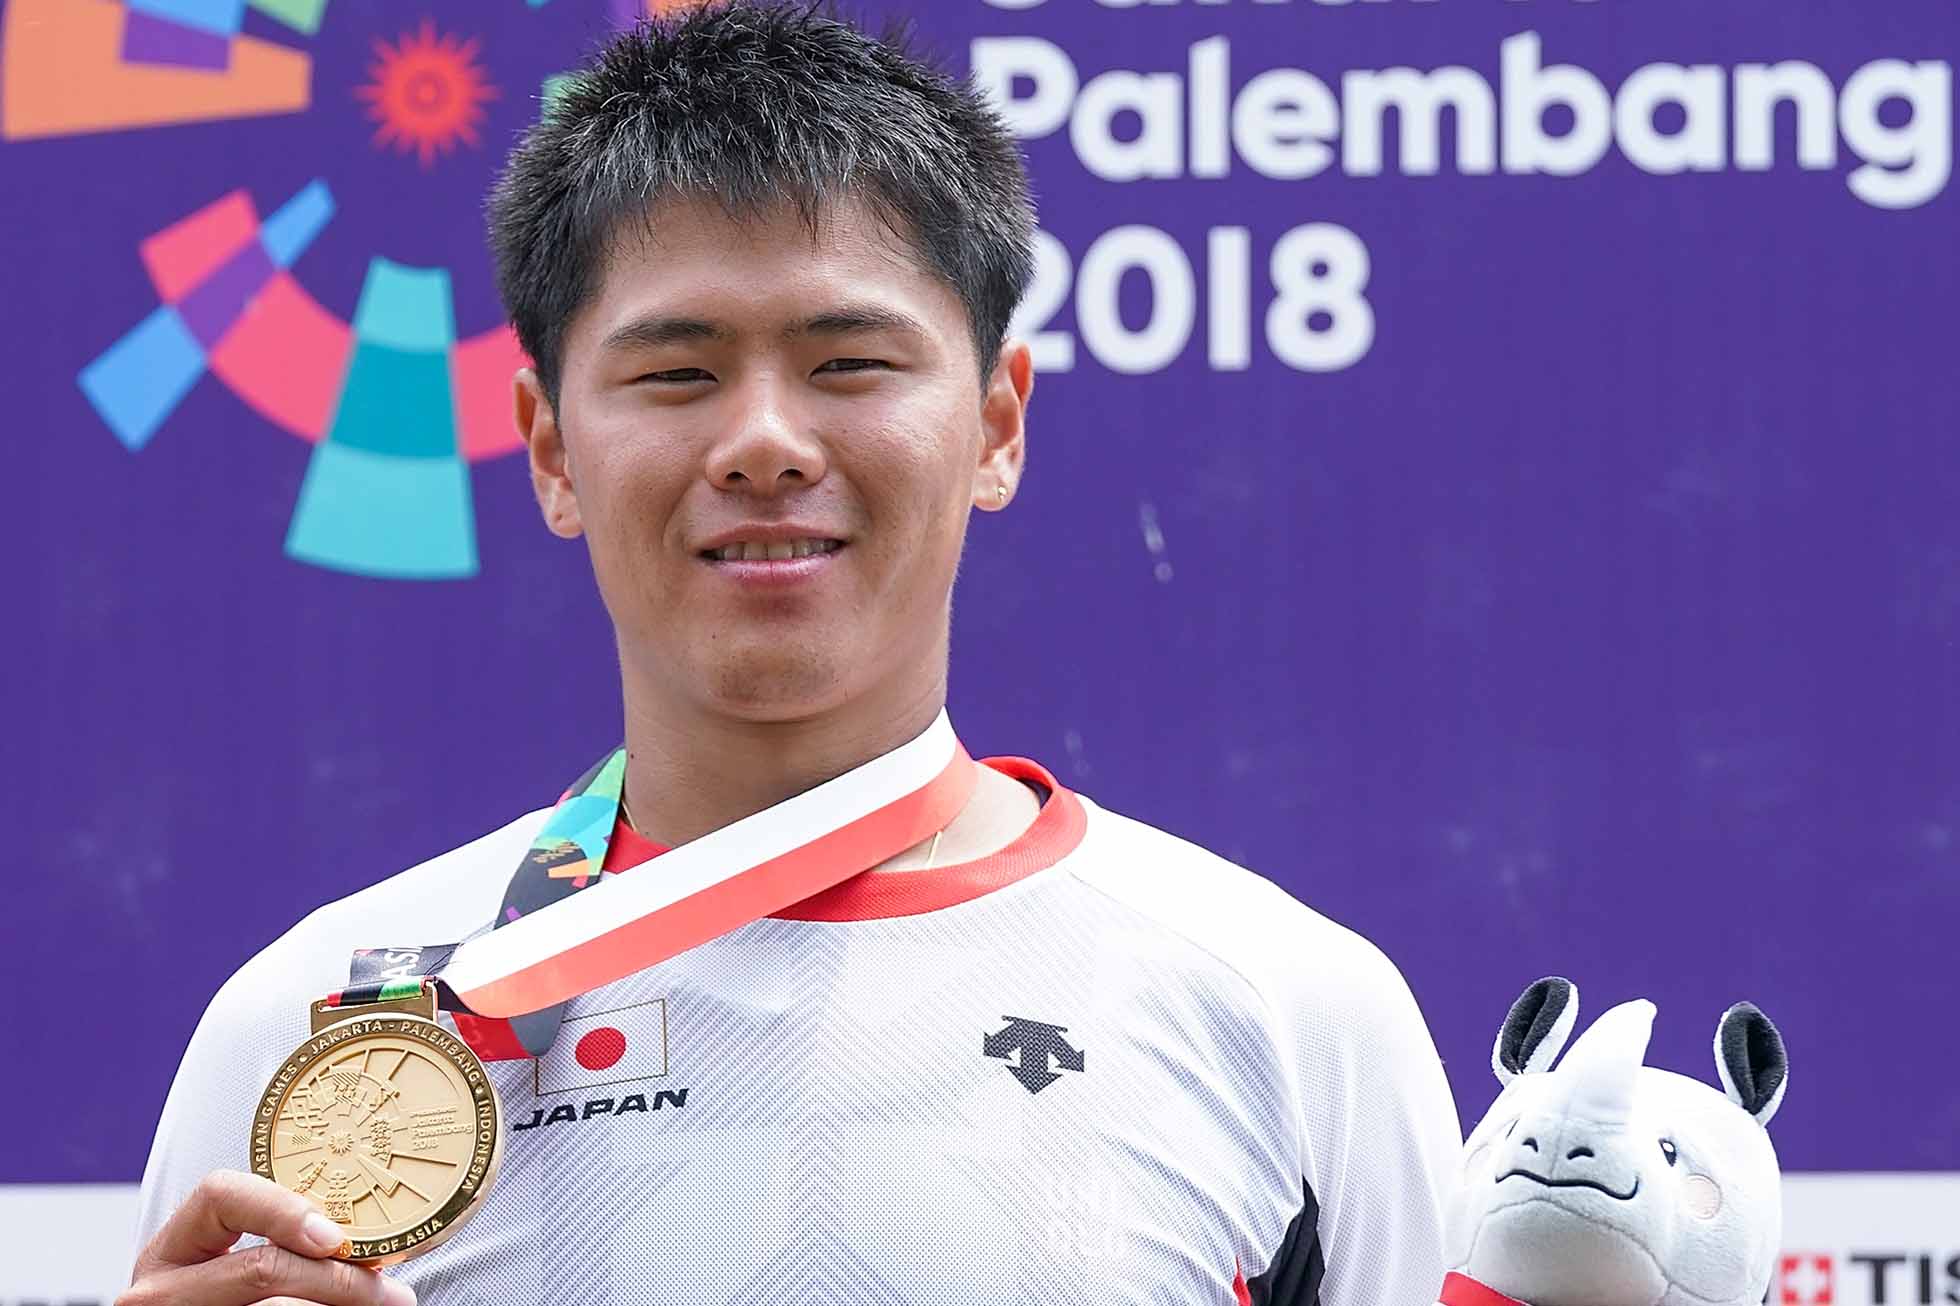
(756, 105)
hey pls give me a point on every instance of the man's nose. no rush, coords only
(768, 451)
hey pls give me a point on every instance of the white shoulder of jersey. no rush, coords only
(259, 1016)
(1379, 1131)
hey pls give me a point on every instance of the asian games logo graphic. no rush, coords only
(396, 404)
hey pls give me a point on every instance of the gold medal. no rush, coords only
(387, 1122)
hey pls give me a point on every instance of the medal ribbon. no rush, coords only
(564, 929)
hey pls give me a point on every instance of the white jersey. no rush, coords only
(1100, 1066)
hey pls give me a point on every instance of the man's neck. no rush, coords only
(688, 772)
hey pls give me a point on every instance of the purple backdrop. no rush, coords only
(1595, 614)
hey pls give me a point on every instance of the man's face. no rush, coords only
(771, 441)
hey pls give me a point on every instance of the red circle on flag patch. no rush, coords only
(601, 1049)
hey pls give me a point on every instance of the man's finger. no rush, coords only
(268, 1274)
(227, 1204)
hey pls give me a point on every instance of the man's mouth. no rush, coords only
(771, 550)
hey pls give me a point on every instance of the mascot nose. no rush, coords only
(1600, 1071)
(1552, 1144)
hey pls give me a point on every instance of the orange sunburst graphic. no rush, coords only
(427, 92)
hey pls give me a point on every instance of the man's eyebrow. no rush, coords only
(849, 318)
(659, 329)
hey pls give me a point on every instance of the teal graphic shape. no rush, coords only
(139, 381)
(387, 493)
(300, 15)
(389, 518)
(397, 404)
(406, 308)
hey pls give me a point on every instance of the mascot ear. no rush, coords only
(1750, 1057)
(1535, 1031)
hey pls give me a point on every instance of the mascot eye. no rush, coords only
(1669, 1151)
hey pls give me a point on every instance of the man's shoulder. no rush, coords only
(1279, 945)
(1336, 1006)
(260, 1014)
(440, 900)
(449, 890)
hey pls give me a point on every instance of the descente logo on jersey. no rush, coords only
(565, 1112)
(1038, 1043)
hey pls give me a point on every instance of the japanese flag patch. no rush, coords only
(601, 1048)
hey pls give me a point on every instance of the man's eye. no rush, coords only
(676, 376)
(853, 365)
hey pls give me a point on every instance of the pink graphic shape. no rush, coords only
(286, 357)
(480, 369)
(183, 254)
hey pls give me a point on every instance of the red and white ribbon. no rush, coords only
(725, 879)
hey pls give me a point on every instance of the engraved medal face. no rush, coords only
(388, 1124)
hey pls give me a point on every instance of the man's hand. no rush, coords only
(190, 1261)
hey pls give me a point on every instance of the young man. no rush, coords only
(765, 264)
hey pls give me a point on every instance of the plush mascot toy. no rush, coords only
(1607, 1183)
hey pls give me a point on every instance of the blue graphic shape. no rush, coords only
(223, 17)
(286, 234)
(406, 308)
(389, 518)
(136, 383)
(396, 404)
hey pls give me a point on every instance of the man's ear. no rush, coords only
(1003, 427)
(551, 479)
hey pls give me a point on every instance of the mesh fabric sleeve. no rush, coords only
(244, 1034)
(1380, 1140)
(1369, 1108)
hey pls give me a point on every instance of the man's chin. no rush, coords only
(767, 687)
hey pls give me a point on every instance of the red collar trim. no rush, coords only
(878, 895)
(1461, 1290)
(628, 848)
